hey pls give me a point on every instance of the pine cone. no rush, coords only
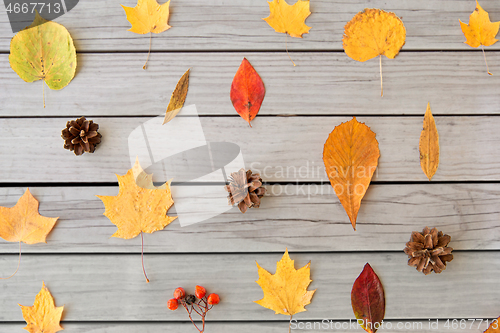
(427, 250)
(81, 136)
(245, 189)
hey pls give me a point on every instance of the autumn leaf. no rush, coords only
(136, 210)
(23, 223)
(44, 51)
(372, 33)
(148, 17)
(43, 316)
(247, 91)
(178, 98)
(285, 292)
(351, 156)
(289, 19)
(368, 300)
(494, 326)
(429, 145)
(480, 31)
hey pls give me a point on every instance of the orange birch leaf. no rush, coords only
(480, 31)
(351, 156)
(43, 316)
(429, 145)
(373, 33)
(247, 91)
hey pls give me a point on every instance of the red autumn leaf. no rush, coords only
(368, 300)
(247, 91)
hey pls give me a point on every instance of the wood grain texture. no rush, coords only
(302, 218)
(112, 288)
(98, 25)
(321, 84)
(252, 327)
(32, 150)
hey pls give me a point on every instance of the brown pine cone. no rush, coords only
(81, 136)
(428, 250)
(245, 189)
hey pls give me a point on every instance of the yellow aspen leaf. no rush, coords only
(373, 33)
(285, 292)
(178, 98)
(429, 145)
(351, 156)
(43, 316)
(23, 223)
(148, 17)
(494, 326)
(480, 31)
(44, 51)
(289, 19)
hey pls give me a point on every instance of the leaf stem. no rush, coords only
(149, 52)
(43, 92)
(381, 79)
(290, 325)
(484, 55)
(142, 257)
(286, 47)
(18, 264)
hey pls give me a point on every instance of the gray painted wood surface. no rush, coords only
(252, 327)
(237, 25)
(99, 279)
(32, 149)
(112, 287)
(302, 218)
(322, 84)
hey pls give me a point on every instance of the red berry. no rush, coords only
(179, 293)
(200, 292)
(172, 304)
(213, 299)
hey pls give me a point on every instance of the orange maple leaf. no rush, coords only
(351, 156)
(43, 316)
(480, 31)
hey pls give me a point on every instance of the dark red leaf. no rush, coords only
(368, 301)
(247, 91)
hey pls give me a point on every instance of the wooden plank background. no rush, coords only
(99, 279)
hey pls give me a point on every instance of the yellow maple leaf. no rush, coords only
(480, 31)
(23, 223)
(148, 17)
(285, 292)
(136, 209)
(43, 316)
(372, 33)
(289, 19)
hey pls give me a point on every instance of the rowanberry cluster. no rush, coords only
(199, 303)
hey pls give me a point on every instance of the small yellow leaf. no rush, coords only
(23, 223)
(429, 145)
(372, 33)
(43, 316)
(480, 30)
(285, 292)
(148, 16)
(289, 19)
(136, 209)
(178, 98)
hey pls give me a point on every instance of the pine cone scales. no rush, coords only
(245, 189)
(81, 136)
(428, 250)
